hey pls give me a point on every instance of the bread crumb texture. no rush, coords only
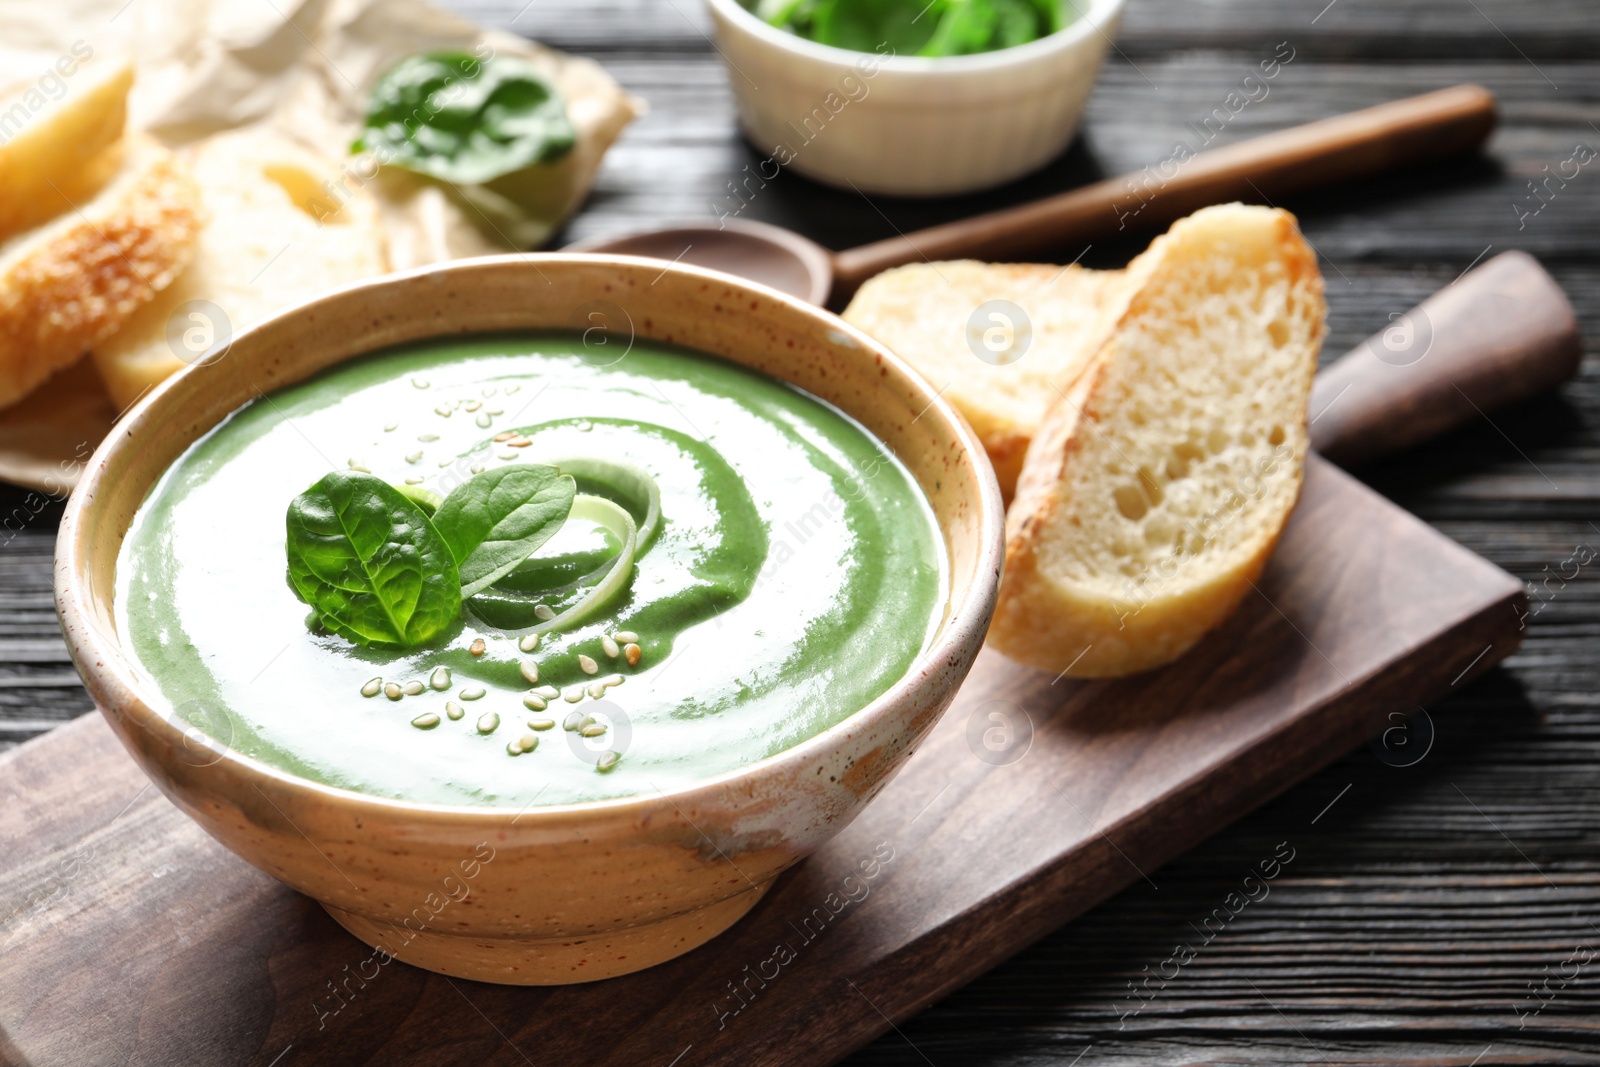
(1153, 493)
(76, 280)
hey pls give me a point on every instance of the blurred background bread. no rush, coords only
(1154, 491)
(928, 314)
(58, 148)
(73, 281)
(279, 230)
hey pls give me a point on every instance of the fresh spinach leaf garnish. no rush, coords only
(458, 118)
(497, 519)
(369, 563)
(385, 565)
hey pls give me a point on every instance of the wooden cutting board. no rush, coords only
(127, 936)
(131, 937)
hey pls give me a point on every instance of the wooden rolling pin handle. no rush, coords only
(1343, 148)
(1501, 333)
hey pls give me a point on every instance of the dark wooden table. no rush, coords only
(1440, 912)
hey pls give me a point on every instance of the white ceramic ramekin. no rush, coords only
(908, 125)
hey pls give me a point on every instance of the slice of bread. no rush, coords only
(1154, 492)
(932, 316)
(59, 148)
(276, 235)
(75, 280)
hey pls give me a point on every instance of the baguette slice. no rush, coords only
(73, 281)
(1154, 492)
(928, 314)
(275, 235)
(58, 150)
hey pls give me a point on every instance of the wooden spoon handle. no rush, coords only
(1496, 335)
(1342, 148)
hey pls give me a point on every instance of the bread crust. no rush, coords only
(76, 281)
(1062, 626)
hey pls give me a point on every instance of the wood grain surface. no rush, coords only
(1034, 799)
(1431, 908)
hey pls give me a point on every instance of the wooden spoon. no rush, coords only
(1357, 145)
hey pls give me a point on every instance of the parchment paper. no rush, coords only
(305, 69)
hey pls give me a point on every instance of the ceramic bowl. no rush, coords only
(556, 894)
(908, 125)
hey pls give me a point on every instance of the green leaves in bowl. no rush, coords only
(461, 119)
(916, 27)
(499, 518)
(369, 563)
(389, 566)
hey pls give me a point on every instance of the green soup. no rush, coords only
(796, 574)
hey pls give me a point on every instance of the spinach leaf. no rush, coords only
(369, 563)
(867, 25)
(497, 519)
(455, 117)
(916, 27)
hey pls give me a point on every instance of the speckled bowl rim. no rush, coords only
(965, 623)
(1100, 12)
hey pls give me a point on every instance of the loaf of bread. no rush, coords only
(275, 235)
(72, 282)
(1154, 491)
(1001, 366)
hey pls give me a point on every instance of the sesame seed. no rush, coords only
(390, 427)
(477, 648)
(472, 692)
(477, 468)
(609, 647)
(440, 678)
(483, 421)
(357, 465)
(443, 411)
(411, 688)
(607, 760)
(495, 411)
(530, 671)
(596, 690)
(529, 643)
(414, 457)
(625, 637)
(392, 690)
(549, 692)
(415, 479)
(372, 688)
(572, 694)
(513, 748)
(473, 405)
(427, 438)
(588, 665)
(488, 722)
(426, 721)
(612, 679)
(506, 455)
(633, 653)
(420, 383)
(540, 724)
(576, 720)
(519, 441)
(594, 729)
(454, 710)
(527, 742)
(534, 702)
(506, 436)
(543, 612)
